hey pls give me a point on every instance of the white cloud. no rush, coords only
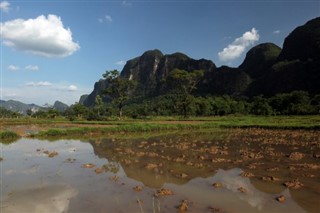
(121, 63)
(72, 88)
(39, 84)
(13, 67)
(126, 3)
(45, 94)
(276, 32)
(239, 45)
(44, 36)
(32, 67)
(4, 6)
(108, 18)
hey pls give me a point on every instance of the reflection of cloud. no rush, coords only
(200, 191)
(233, 181)
(45, 199)
(32, 170)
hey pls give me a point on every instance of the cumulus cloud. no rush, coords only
(276, 32)
(239, 45)
(72, 88)
(13, 67)
(39, 84)
(32, 67)
(4, 6)
(44, 36)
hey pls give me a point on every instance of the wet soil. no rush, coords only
(255, 170)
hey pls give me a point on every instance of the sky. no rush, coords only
(57, 50)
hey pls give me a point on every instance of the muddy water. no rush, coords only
(213, 171)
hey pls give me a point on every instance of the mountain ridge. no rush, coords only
(266, 70)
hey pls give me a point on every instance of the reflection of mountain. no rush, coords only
(151, 167)
(229, 199)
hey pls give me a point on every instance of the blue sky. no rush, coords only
(56, 50)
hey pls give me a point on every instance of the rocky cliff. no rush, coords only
(267, 69)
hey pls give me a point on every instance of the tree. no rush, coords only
(260, 106)
(182, 84)
(98, 104)
(118, 89)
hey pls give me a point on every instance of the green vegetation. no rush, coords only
(7, 137)
(165, 124)
(118, 89)
(5, 113)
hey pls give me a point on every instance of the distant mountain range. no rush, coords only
(266, 70)
(22, 108)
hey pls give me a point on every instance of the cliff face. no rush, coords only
(297, 66)
(259, 59)
(99, 87)
(266, 70)
(303, 43)
(150, 70)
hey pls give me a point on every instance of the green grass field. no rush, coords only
(63, 128)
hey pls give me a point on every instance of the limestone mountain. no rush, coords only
(61, 107)
(297, 66)
(259, 59)
(17, 106)
(266, 70)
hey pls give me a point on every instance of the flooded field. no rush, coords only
(230, 170)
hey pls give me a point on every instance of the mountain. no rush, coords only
(61, 107)
(98, 90)
(259, 59)
(18, 106)
(83, 98)
(297, 66)
(266, 70)
(151, 69)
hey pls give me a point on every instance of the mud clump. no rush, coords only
(242, 190)
(88, 165)
(316, 155)
(1, 159)
(50, 154)
(217, 185)
(182, 175)
(247, 174)
(70, 160)
(137, 188)
(281, 198)
(99, 170)
(293, 184)
(296, 156)
(163, 192)
(270, 179)
(151, 166)
(183, 207)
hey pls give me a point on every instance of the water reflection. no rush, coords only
(44, 199)
(32, 181)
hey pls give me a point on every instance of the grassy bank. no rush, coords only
(292, 122)
(8, 137)
(65, 128)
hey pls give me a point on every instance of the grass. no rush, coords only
(129, 126)
(8, 137)
(85, 128)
